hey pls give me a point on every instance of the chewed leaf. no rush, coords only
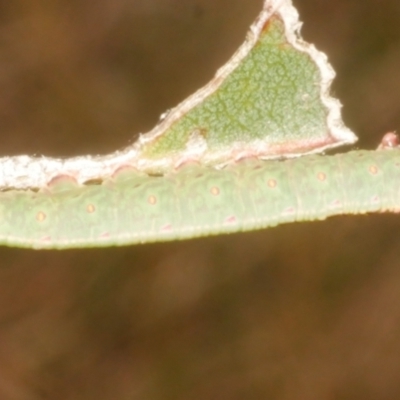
(271, 100)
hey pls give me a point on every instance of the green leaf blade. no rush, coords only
(273, 103)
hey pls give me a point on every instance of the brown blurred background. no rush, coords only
(303, 311)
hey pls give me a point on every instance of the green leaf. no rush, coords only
(270, 100)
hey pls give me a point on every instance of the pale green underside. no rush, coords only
(198, 201)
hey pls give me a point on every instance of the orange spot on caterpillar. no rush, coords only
(231, 220)
(390, 140)
(152, 200)
(373, 169)
(215, 191)
(272, 183)
(40, 216)
(90, 208)
(321, 176)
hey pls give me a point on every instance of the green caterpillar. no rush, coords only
(195, 201)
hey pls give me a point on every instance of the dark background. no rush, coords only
(303, 311)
